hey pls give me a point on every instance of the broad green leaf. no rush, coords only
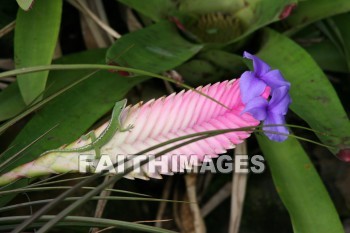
(36, 36)
(154, 9)
(327, 56)
(25, 4)
(156, 48)
(311, 11)
(314, 98)
(300, 187)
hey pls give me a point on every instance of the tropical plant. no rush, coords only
(66, 63)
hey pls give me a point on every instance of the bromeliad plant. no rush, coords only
(201, 40)
(237, 107)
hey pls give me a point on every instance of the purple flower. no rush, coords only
(253, 83)
(273, 111)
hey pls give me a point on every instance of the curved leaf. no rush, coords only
(36, 36)
(314, 98)
(300, 187)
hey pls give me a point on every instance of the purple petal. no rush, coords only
(257, 107)
(280, 101)
(260, 67)
(274, 79)
(250, 86)
(275, 133)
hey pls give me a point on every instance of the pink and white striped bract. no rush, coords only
(158, 121)
(185, 113)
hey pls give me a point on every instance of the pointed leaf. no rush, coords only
(25, 4)
(36, 36)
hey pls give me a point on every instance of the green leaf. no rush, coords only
(311, 11)
(300, 187)
(25, 4)
(156, 48)
(36, 35)
(154, 9)
(314, 98)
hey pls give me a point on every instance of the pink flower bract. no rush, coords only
(185, 113)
